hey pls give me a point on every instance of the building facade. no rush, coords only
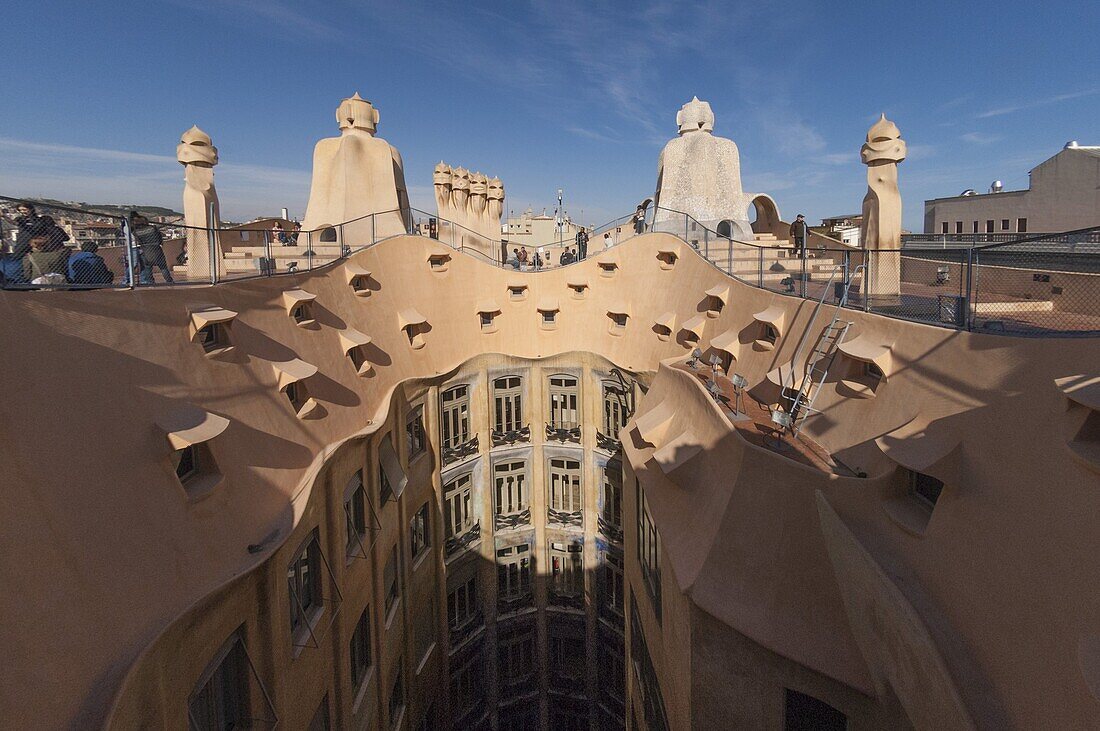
(1063, 195)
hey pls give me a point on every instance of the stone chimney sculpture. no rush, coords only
(356, 175)
(200, 199)
(881, 227)
(700, 174)
(473, 203)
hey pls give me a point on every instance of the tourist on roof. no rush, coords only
(150, 249)
(87, 267)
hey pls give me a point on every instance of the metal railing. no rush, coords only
(1040, 285)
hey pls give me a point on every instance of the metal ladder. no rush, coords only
(822, 356)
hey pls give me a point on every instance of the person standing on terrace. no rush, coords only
(151, 249)
(798, 235)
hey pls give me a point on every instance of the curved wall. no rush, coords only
(111, 554)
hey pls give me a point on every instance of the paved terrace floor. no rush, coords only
(757, 428)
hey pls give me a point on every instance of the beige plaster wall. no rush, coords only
(109, 552)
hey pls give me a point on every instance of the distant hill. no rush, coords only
(114, 209)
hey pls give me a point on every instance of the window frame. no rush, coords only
(454, 416)
(507, 404)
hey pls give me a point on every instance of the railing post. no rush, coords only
(687, 236)
(802, 276)
(269, 257)
(309, 251)
(373, 238)
(760, 266)
(867, 280)
(847, 277)
(706, 244)
(212, 244)
(969, 288)
(729, 260)
(131, 270)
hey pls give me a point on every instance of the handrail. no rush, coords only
(963, 311)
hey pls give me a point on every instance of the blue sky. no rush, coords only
(544, 94)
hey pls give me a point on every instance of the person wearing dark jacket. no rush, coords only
(150, 245)
(88, 267)
(798, 235)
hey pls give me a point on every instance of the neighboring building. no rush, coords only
(102, 233)
(1063, 195)
(532, 230)
(841, 228)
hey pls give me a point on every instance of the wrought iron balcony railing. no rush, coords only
(561, 517)
(612, 531)
(462, 541)
(514, 436)
(513, 520)
(461, 634)
(507, 605)
(570, 600)
(461, 451)
(563, 431)
(607, 443)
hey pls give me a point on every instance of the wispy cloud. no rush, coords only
(280, 14)
(837, 158)
(592, 134)
(1037, 103)
(981, 138)
(104, 175)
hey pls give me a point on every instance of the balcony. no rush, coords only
(562, 600)
(607, 443)
(510, 605)
(573, 519)
(461, 542)
(612, 531)
(460, 452)
(512, 521)
(462, 634)
(563, 431)
(521, 435)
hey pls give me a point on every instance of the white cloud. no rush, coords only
(101, 175)
(980, 138)
(1037, 103)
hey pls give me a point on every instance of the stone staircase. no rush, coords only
(246, 259)
(778, 260)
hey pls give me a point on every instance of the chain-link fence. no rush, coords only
(1042, 285)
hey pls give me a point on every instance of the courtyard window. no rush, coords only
(414, 432)
(563, 402)
(397, 697)
(304, 582)
(1021, 225)
(458, 506)
(943, 227)
(222, 699)
(617, 407)
(565, 486)
(455, 416)
(516, 655)
(462, 605)
(355, 514)
(611, 500)
(1004, 224)
(958, 227)
(925, 488)
(567, 568)
(510, 488)
(514, 572)
(390, 583)
(507, 404)
(360, 652)
(649, 550)
(420, 536)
